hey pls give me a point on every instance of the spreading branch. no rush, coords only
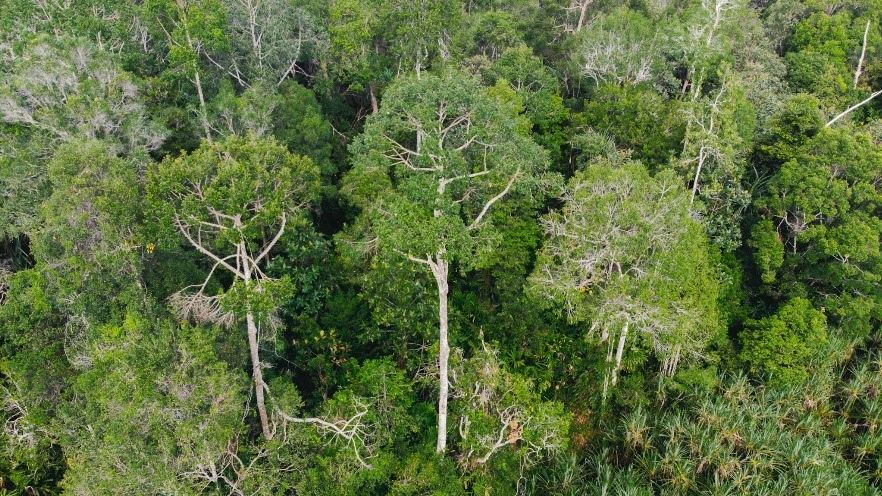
(221, 261)
(495, 199)
(269, 246)
(352, 430)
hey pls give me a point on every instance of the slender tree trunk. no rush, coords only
(619, 352)
(858, 71)
(257, 374)
(373, 94)
(197, 80)
(254, 349)
(583, 9)
(853, 107)
(203, 112)
(440, 272)
(697, 176)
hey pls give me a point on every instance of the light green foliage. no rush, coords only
(718, 139)
(35, 374)
(427, 474)
(190, 27)
(621, 47)
(372, 41)
(251, 247)
(230, 177)
(378, 391)
(269, 39)
(442, 131)
(115, 25)
(83, 251)
(419, 30)
(155, 410)
(714, 35)
(637, 118)
(540, 91)
(59, 90)
(290, 113)
(501, 415)
(856, 425)
(623, 255)
(785, 346)
(90, 220)
(798, 119)
(823, 51)
(242, 114)
(230, 194)
(299, 124)
(354, 28)
(768, 250)
(740, 440)
(490, 34)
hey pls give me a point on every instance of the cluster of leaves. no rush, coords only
(579, 246)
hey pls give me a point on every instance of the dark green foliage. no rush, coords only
(639, 119)
(786, 345)
(825, 204)
(233, 232)
(540, 91)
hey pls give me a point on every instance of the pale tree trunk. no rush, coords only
(373, 94)
(257, 374)
(619, 352)
(197, 80)
(203, 112)
(254, 349)
(853, 107)
(583, 9)
(607, 373)
(440, 270)
(612, 374)
(698, 167)
(860, 65)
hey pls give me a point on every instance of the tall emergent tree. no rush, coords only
(624, 257)
(54, 90)
(232, 201)
(428, 171)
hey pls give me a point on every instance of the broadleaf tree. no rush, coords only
(429, 169)
(625, 258)
(232, 201)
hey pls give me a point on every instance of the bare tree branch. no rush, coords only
(495, 199)
(853, 107)
(269, 246)
(185, 231)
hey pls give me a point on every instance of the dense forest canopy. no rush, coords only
(441, 247)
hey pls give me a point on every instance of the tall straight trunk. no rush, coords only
(619, 352)
(256, 370)
(257, 375)
(203, 111)
(439, 269)
(699, 165)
